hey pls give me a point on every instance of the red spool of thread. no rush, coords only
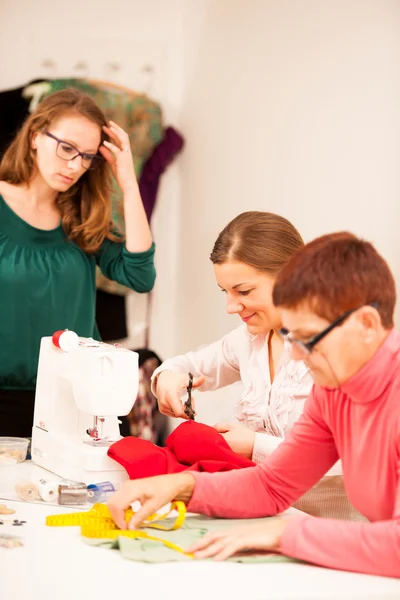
(65, 339)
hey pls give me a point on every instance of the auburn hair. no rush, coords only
(86, 207)
(334, 274)
(262, 240)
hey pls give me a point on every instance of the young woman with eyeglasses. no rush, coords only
(337, 298)
(55, 227)
(247, 256)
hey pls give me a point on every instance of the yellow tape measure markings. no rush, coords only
(101, 513)
(112, 534)
(97, 523)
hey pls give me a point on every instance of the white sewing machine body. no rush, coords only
(94, 383)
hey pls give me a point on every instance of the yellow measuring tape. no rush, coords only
(97, 523)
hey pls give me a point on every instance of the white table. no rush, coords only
(55, 564)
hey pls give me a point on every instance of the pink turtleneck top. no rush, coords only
(359, 424)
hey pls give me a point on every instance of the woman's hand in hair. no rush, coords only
(117, 153)
(239, 438)
(169, 390)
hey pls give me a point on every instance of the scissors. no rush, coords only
(188, 410)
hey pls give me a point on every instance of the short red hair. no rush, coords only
(335, 273)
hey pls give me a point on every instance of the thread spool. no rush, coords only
(72, 494)
(48, 490)
(28, 491)
(100, 492)
(65, 340)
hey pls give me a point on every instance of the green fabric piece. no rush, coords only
(151, 551)
(48, 283)
(142, 119)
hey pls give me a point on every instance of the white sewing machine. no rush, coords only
(79, 395)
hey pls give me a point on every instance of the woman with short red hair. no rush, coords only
(337, 297)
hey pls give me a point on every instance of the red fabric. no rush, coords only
(192, 445)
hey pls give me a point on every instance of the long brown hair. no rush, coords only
(262, 240)
(86, 207)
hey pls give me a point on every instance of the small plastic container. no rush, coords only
(13, 450)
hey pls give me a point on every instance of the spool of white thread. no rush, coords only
(48, 490)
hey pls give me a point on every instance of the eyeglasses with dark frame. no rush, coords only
(308, 347)
(67, 151)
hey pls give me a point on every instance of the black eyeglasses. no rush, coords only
(67, 151)
(307, 347)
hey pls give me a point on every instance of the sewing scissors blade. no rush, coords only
(188, 404)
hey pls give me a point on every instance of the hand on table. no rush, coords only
(221, 545)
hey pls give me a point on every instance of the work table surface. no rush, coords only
(56, 563)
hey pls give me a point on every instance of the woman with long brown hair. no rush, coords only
(55, 227)
(247, 256)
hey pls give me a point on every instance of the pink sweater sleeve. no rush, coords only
(372, 548)
(271, 487)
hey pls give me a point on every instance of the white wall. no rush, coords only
(291, 107)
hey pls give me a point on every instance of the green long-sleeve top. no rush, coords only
(48, 283)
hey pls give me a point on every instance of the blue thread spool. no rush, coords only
(100, 492)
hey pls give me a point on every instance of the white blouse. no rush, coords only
(269, 409)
